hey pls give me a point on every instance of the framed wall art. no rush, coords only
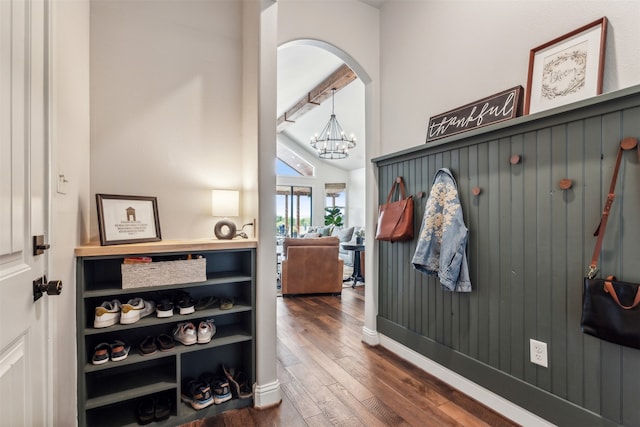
(567, 69)
(127, 219)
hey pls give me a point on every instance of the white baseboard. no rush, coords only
(370, 336)
(265, 395)
(471, 389)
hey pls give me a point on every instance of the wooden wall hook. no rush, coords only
(476, 191)
(629, 143)
(565, 184)
(515, 159)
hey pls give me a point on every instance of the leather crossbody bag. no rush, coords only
(611, 308)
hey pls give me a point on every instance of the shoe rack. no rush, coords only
(112, 393)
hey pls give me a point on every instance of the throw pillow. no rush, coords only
(311, 235)
(344, 235)
(324, 231)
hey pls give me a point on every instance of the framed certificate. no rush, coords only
(127, 219)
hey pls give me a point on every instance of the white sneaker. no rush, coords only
(135, 309)
(185, 333)
(107, 314)
(206, 331)
(149, 308)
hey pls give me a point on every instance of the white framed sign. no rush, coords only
(567, 69)
(127, 219)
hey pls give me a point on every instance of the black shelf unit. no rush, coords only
(109, 394)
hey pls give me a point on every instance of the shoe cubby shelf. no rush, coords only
(110, 393)
(104, 289)
(221, 338)
(173, 320)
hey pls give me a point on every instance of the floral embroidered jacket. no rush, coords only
(442, 244)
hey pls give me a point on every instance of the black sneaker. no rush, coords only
(221, 390)
(185, 303)
(219, 387)
(197, 393)
(164, 308)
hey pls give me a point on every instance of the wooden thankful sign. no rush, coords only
(493, 109)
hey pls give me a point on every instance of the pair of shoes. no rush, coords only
(197, 393)
(219, 387)
(154, 409)
(150, 345)
(226, 303)
(206, 331)
(239, 383)
(135, 309)
(116, 351)
(107, 314)
(185, 333)
(206, 302)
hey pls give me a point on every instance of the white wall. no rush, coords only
(166, 106)
(450, 53)
(70, 211)
(355, 193)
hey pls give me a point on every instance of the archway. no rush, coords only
(367, 184)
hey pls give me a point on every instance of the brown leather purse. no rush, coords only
(611, 308)
(395, 219)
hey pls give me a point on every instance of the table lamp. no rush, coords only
(225, 203)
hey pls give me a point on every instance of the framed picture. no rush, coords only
(127, 219)
(567, 69)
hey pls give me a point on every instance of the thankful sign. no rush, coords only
(493, 109)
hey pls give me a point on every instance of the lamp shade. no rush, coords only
(225, 203)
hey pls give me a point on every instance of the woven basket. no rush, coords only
(164, 273)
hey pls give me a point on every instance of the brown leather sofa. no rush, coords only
(312, 266)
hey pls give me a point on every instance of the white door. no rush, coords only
(24, 384)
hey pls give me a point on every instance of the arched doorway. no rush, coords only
(315, 60)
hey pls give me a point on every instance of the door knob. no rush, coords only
(41, 286)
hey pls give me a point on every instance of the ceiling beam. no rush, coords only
(337, 80)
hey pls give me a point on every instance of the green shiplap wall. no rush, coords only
(529, 247)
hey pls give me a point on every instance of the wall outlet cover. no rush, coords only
(538, 350)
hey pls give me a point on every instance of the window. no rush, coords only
(336, 197)
(293, 210)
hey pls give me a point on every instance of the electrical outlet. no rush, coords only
(538, 350)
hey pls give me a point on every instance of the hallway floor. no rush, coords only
(330, 378)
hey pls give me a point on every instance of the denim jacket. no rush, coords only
(443, 236)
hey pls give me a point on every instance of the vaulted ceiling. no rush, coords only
(303, 73)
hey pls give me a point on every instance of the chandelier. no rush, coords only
(332, 143)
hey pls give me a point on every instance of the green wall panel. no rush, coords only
(529, 246)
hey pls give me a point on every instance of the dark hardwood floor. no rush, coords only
(330, 378)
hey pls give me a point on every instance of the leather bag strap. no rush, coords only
(397, 181)
(628, 143)
(608, 287)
